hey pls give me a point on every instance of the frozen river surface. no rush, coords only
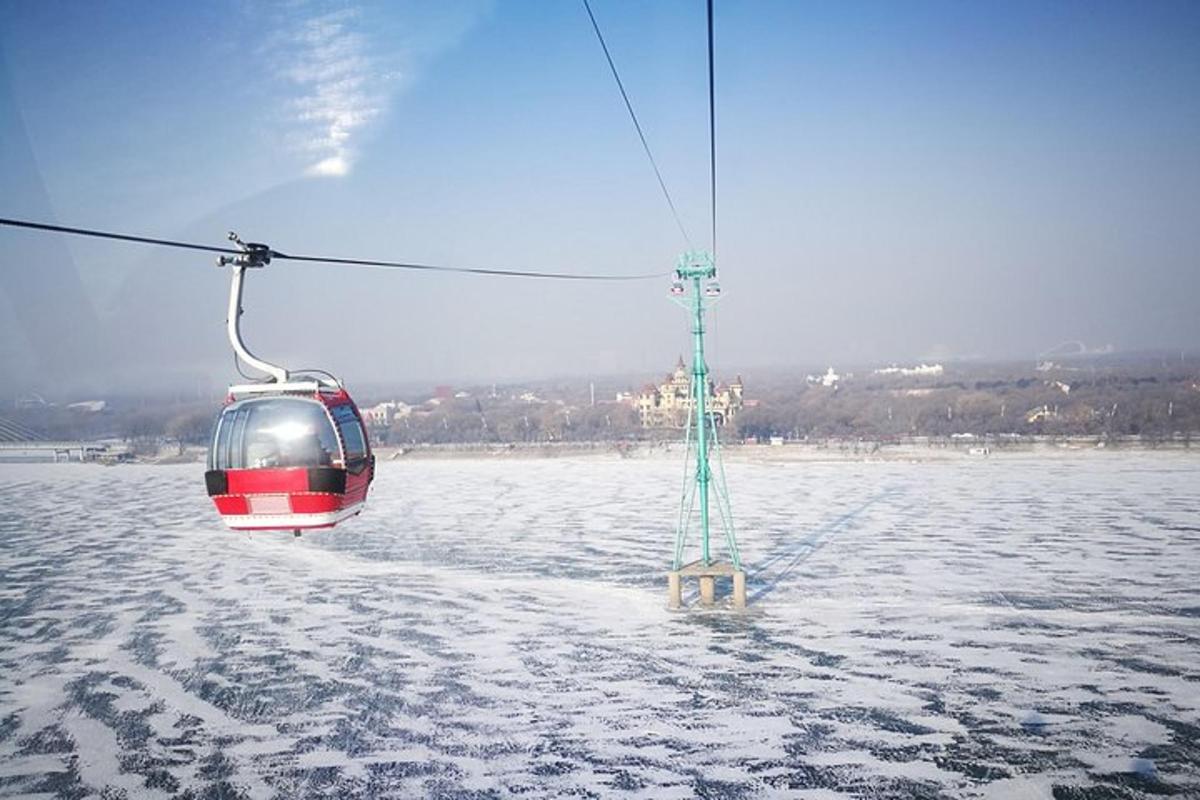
(999, 627)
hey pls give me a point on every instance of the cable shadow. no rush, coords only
(796, 553)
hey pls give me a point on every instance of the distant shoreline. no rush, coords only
(916, 449)
(845, 450)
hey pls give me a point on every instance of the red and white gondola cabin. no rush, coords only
(289, 456)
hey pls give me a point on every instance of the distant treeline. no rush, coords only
(1125, 401)
(1150, 400)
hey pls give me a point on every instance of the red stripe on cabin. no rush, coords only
(316, 503)
(229, 504)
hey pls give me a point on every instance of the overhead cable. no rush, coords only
(637, 125)
(712, 131)
(123, 237)
(277, 255)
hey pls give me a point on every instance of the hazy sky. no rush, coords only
(897, 181)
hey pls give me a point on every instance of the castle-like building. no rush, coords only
(669, 404)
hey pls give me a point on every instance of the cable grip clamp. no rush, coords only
(253, 254)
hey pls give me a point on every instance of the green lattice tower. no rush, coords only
(695, 289)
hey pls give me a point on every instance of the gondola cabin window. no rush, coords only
(353, 438)
(274, 432)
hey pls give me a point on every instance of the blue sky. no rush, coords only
(897, 180)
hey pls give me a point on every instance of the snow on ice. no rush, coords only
(1004, 627)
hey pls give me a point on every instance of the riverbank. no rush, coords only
(914, 449)
(908, 449)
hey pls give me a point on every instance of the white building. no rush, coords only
(921, 370)
(89, 406)
(828, 380)
(384, 414)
